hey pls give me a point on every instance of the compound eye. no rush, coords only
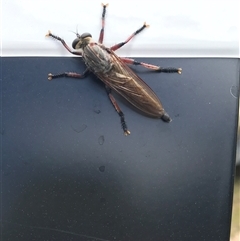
(75, 42)
(85, 35)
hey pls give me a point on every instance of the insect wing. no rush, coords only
(129, 85)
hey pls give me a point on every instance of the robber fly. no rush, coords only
(113, 71)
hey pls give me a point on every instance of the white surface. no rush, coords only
(178, 28)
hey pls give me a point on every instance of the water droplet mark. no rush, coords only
(97, 111)
(102, 168)
(97, 107)
(80, 128)
(101, 140)
(234, 91)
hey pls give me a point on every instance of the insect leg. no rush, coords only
(120, 113)
(153, 67)
(49, 34)
(69, 74)
(100, 40)
(117, 46)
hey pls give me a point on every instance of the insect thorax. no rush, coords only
(97, 58)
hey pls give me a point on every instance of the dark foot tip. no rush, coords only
(165, 117)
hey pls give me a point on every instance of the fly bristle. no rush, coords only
(124, 125)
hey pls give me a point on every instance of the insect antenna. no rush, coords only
(77, 34)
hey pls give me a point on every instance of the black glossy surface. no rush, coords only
(69, 173)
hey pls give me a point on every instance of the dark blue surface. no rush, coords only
(69, 173)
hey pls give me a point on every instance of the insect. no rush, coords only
(114, 72)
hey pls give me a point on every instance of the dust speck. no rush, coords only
(101, 140)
